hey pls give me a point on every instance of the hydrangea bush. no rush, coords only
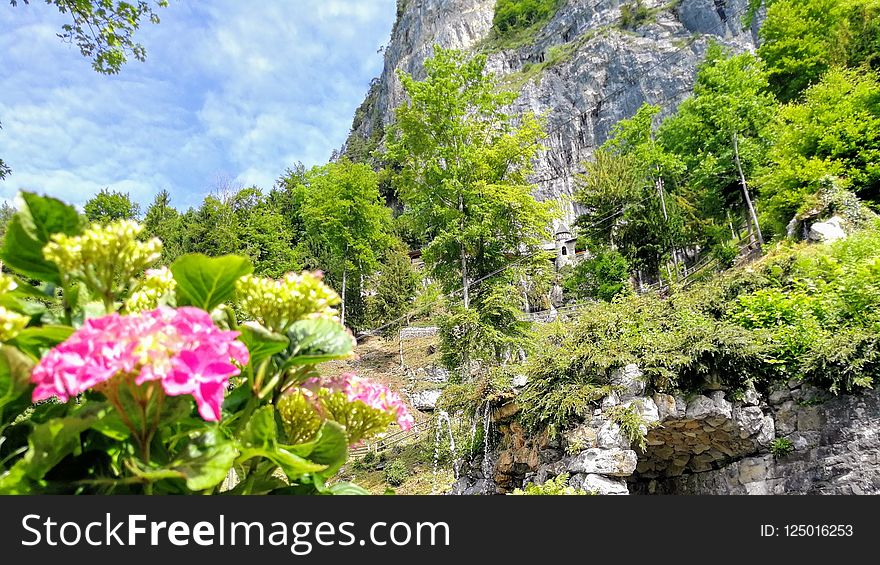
(121, 376)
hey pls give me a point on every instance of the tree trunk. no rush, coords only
(464, 271)
(465, 292)
(344, 282)
(751, 208)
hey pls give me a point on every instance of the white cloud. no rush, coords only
(231, 89)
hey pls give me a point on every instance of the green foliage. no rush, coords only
(805, 312)
(820, 318)
(263, 233)
(164, 222)
(108, 206)
(396, 288)
(396, 473)
(517, 21)
(604, 277)
(557, 486)
(343, 214)
(103, 30)
(632, 424)
(488, 331)
(464, 174)
(802, 39)
(834, 132)
(621, 190)
(29, 231)
(781, 447)
(634, 14)
(207, 282)
(719, 131)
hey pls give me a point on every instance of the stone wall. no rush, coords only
(836, 443)
(702, 444)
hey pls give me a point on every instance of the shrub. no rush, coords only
(512, 15)
(143, 381)
(604, 277)
(781, 447)
(631, 15)
(810, 312)
(396, 473)
(632, 424)
(553, 487)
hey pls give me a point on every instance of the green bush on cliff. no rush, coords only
(516, 22)
(553, 487)
(808, 312)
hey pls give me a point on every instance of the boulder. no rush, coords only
(630, 380)
(610, 436)
(703, 407)
(519, 381)
(749, 420)
(613, 462)
(597, 484)
(828, 231)
(425, 400)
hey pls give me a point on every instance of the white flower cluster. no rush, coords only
(104, 255)
(277, 304)
(156, 284)
(11, 323)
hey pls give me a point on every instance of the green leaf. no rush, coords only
(205, 460)
(15, 481)
(110, 424)
(236, 399)
(329, 448)
(29, 231)
(15, 372)
(260, 430)
(207, 282)
(36, 341)
(293, 465)
(317, 341)
(347, 489)
(50, 442)
(261, 342)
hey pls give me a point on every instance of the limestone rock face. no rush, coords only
(608, 75)
(629, 378)
(828, 231)
(597, 484)
(613, 462)
(425, 400)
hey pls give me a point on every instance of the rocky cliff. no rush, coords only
(586, 69)
(794, 439)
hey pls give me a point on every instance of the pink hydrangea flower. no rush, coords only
(374, 395)
(182, 349)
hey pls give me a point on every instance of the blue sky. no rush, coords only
(231, 92)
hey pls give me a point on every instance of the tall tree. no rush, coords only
(103, 30)
(263, 234)
(343, 212)
(396, 288)
(109, 205)
(834, 132)
(286, 197)
(464, 165)
(162, 220)
(211, 229)
(464, 169)
(720, 134)
(803, 39)
(625, 195)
